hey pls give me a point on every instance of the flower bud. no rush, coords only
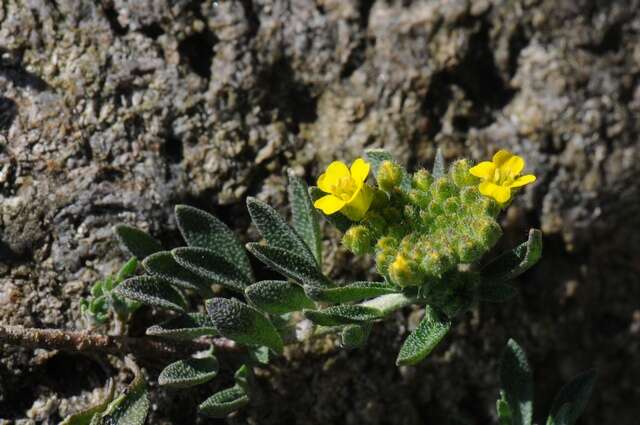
(403, 272)
(375, 223)
(419, 198)
(469, 195)
(443, 189)
(468, 251)
(460, 175)
(451, 206)
(358, 240)
(389, 176)
(387, 243)
(487, 231)
(435, 264)
(422, 180)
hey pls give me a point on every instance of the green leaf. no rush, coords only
(210, 265)
(356, 291)
(355, 336)
(572, 399)
(131, 407)
(504, 412)
(162, 264)
(516, 381)
(343, 315)
(277, 296)
(153, 291)
(438, 165)
(243, 324)
(84, 417)
(224, 402)
(304, 216)
(138, 243)
(202, 230)
(289, 264)
(377, 156)
(128, 270)
(259, 354)
(189, 373)
(338, 220)
(515, 262)
(276, 231)
(495, 292)
(185, 326)
(421, 342)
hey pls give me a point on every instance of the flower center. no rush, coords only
(345, 188)
(502, 179)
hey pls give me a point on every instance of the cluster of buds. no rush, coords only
(423, 230)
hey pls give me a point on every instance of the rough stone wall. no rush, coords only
(116, 110)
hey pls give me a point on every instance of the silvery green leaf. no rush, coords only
(354, 336)
(185, 326)
(304, 216)
(138, 243)
(421, 342)
(224, 402)
(438, 165)
(162, 264)
(495, 292)
(189, 373)
(515, 262)
(338, 220)
(259, 354)
(242, 377)
(210, 265)
(202, 230)
(277, 296)
(243, 324)
(572, 400)
(517, 385)
(343, 315)
(276, 231)
(377, 156)
(355, 291)
(131, 407)
(289, 264)
(84, 417)
(503, 410)
(151, 290)
(128, 270)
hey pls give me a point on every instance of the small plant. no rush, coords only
(515, 405)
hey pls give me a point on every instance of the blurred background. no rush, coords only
(113, 111)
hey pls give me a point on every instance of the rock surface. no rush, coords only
(114, 111)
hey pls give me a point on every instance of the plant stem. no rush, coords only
(82, 341)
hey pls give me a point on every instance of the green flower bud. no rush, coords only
(451, 206)
(380, 199)
(387, 243)
(435, 209)
(383, 260)
(487, 231)
(375, 223)
(468, 251)
(412, 214)
(422, 180)
(404, 272)
(419, 198)
(469, 195)
(358, 239)
(435, 264)
(443, 189)
(460, 175)
(389, 176)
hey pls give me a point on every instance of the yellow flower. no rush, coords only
(500, 175)
(346, 189)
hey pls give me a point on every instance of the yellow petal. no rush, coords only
(523, 180)
(329, 204)
(512, 166)
(499, 193)
(359, 203)
(359, 170)
(329, 179)
(501, 157)
(484, 170)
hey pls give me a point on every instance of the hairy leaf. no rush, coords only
(202, 230)
(84, 417)
(224, 402)
(185, 326)
(243, 324)
(572, 399)
(131, 407)
(513, 263)
(278, 296)
(356, 291)
(504, 412)
(189, 373)
(304, 216)
(516, 381)
(377, 156)
(338, 220)
(210, 265)
(128, 270)
(289, 264)
(421, 342)
(343, 315)
(152, 290)
(276, 231)
(138, 243)
(162, 264)
(438, 165)
(354, 336)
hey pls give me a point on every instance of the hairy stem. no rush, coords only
(82, 341)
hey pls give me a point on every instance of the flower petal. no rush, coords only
(512, 167)
(359, 204)
(329, 204)
(484, 170)
(501, 157)
(523, 180)
(499, 193)
(359, 170)
(329, 179)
